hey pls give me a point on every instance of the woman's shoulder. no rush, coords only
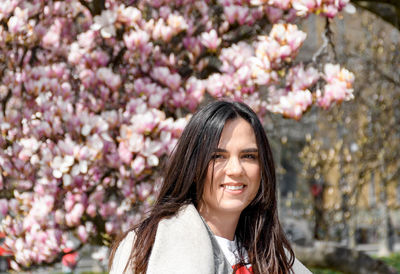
(173, 249)
(186, 215)
(299, 268)
(185, 227)
(122, 254)
(173, 245)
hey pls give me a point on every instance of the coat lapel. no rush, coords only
(185, 244)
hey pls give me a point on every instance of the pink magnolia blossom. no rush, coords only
(86, 39)
(59, 216)
(82, 234)
(88, 78)
(334, 72)
(284, 4)
(178, 98)
(17, 23)
(129, 15)
(144, 122)
(300, 78)
(138, 165)
(75, 53)
(274, 14)
(100, 58)
(3, 207)
(144, 190)
(334, 92)
(105, 23)
(108, 77)
(303, 7)
(52, 37)
(91, 210)
(179, 125)
(124, 152)
(236, 13)
(216, 85)
(42, 207)
(108, 209)
(136, 39)
(162, 31)
(73, 217)
(288, 34)
(338, 87)
(156, 100)
(110, 227)
(210, 40)
(165, 76)
(195, 90)
(330, 11)
(235, 56)
(292, 104)
(8, 8)
(177, 22)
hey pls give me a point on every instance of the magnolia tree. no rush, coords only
(95, 93)
(359, 143)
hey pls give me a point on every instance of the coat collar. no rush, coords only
(185, 242)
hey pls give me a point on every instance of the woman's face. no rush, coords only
(235, 180)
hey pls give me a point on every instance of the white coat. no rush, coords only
(183, 244)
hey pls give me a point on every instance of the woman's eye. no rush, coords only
(250, 156)
(217, 156)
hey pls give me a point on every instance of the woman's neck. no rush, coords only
(221, 224)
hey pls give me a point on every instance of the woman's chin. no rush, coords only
(232, 206)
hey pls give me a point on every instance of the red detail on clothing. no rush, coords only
(70, 259)
(242, 269)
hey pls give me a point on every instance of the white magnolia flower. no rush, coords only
(105, 23)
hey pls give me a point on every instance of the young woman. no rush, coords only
(217, 209)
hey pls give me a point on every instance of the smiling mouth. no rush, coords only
(233, 187)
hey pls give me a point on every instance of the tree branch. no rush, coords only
(327, 41)
(96, 8)
(85, 4)
(4, 101)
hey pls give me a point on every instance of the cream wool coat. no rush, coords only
(183, 244)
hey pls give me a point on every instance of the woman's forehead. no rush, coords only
(239, 132)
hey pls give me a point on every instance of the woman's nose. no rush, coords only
(233, 167)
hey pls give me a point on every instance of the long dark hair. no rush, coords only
(258, 230)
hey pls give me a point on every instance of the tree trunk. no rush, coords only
(333, 256)
(352, 231)
(385, 230)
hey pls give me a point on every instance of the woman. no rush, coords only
(217, 209)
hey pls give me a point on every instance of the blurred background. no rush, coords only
(94, 95)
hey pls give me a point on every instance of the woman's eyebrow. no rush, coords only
(250, 150)
(247, 150)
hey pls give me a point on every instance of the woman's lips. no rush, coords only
(233, 187)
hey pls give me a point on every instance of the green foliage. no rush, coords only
(392, 260)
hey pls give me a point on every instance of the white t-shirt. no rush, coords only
(231, 252)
